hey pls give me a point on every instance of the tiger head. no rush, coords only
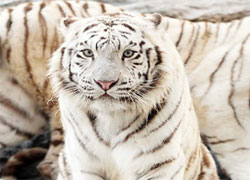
(114, 59)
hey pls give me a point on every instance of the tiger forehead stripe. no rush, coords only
(129, 27)
(90, 26)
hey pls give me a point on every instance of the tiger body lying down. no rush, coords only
(215, 58)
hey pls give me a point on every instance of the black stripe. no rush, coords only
(155, 167)
(160, 164)
(62, 171)
(28, 8)
(70, 65)
(148, 62)
(167, 25)
(217, 32)
(90, 26)
(66, 168)
(192, 33)
(192, 158)
(129, 125)
(241, 149)
(75, 125)
(85, 7)
(10, 105)
(92, 118)
(155, 81)
(129, 27)
(228, 30)
(125, 32)
(176, 172)
(206, 35)
(124, 36)
(103, 7)
(17, 130)
(61, 10)
(124, 89)
(212, 76)
(193, 45)
(43, 26)
(93, 35)
(158, 55)
(221, 141)
(137, 57)
(105, 42)
(119, 44)
(70, 7)
(8, 54)
(238, 27)
(138, 64)
(96, 45)
(169, 117)
(9, 22)
(150, 117)
(141, 45)
(232, 91)
(124, 82)
(181, 34)
(61, 58)
(165, 141)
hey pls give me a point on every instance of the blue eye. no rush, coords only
(128, 53)
(88, 53)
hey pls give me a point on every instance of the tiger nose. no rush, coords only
(106, 85)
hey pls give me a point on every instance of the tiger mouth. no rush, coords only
(106, 96)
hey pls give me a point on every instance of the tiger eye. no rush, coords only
(88, 53)
(128, 53)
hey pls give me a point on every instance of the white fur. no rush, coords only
(117, 160)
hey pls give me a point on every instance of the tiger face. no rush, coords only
(108, 59)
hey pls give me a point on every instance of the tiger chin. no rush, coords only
(125, 104)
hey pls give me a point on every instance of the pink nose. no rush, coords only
(105, 85)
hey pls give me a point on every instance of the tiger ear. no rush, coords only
(157, 21)
(66, 23)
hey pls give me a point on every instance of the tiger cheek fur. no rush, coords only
(125, 103)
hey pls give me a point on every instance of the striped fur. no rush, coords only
(144, 126)
(215, 57)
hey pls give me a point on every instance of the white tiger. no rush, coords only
(125, 104)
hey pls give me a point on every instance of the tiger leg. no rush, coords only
(208, 168)
(20, 117)
(49, 166)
